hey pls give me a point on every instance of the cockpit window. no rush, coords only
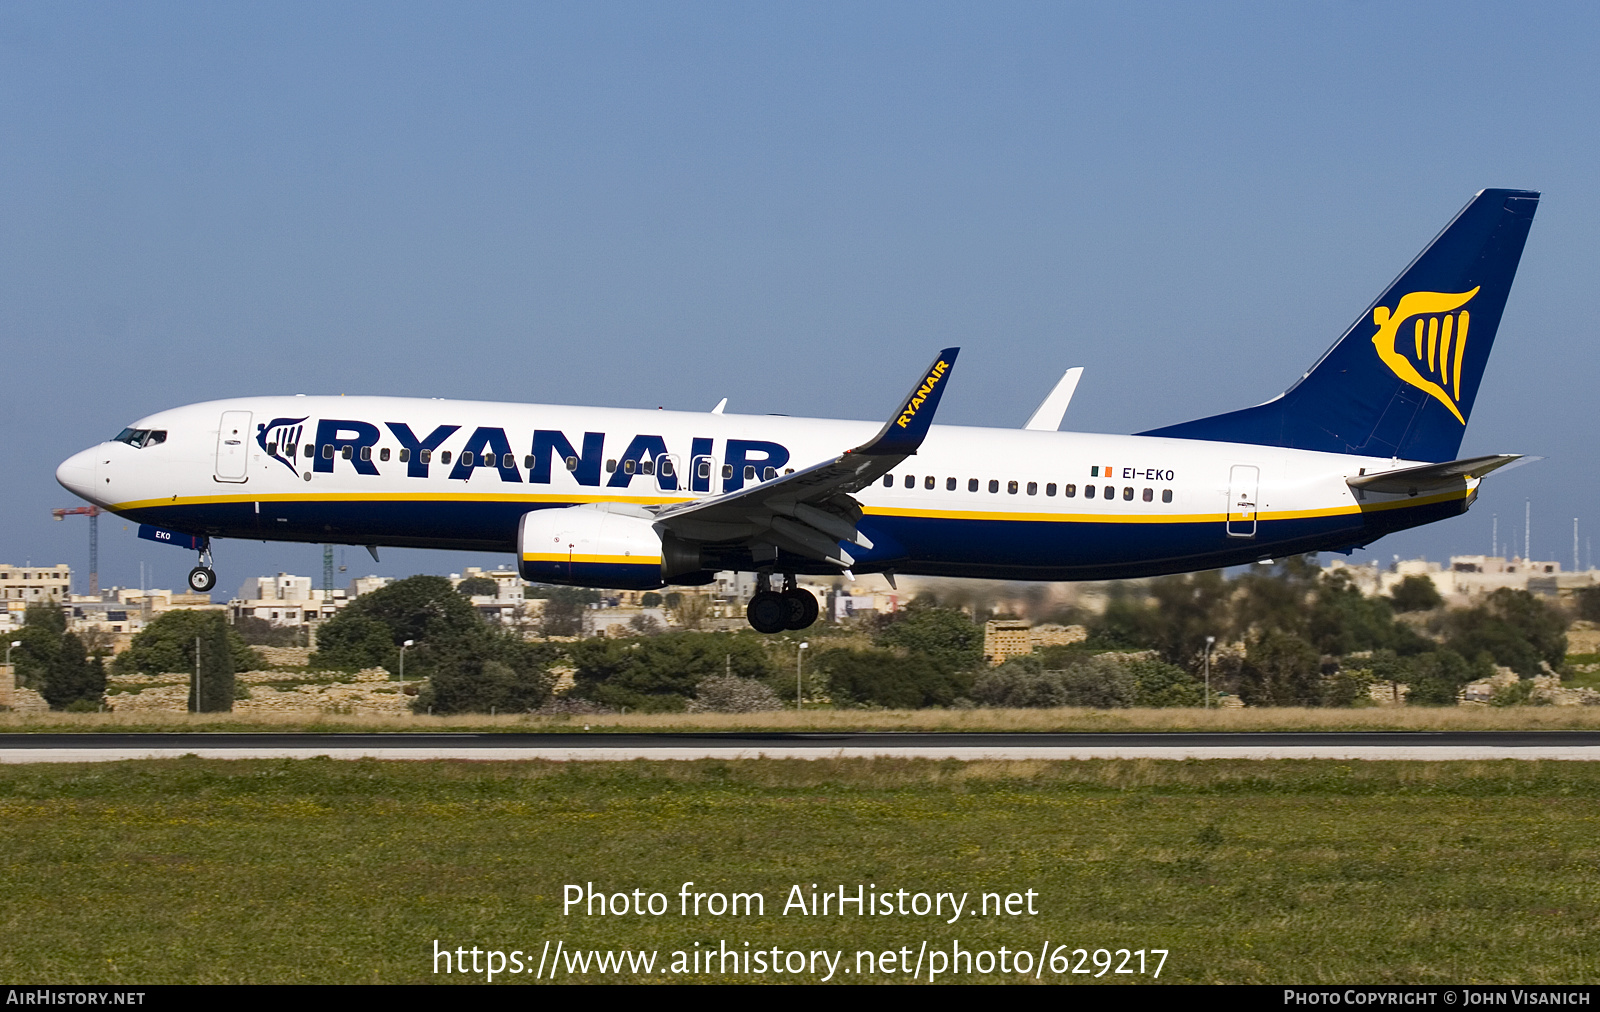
(138, 438)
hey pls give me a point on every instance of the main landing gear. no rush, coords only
(770, 611)
(202, 577)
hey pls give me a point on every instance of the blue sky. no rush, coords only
(788, 205)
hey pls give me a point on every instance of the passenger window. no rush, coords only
(327, 451)
(949, 484)
(366, 453)
(1033, 488)
(1050, 489)
(749, 472)
(1149, 495)
(444, 458)
(972, 484)
(629, 465)
(426, 456)
(466, 458)
(611, 466)
(666, 468)
(647, 467)
(727, 470)
(769, 473)
(383, 454)
(509, 460)
(928, 482)
(1011, 487)
(1069, 490)
(705, 469)
(994, 486)
(1127, 492)
(272, 449)
(1110, 493)
(572, 464)
(1166, 495)
(888, 481)
(347, 451)
(911, 481)
(405, 455)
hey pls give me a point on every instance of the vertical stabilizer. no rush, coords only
(1402, 380)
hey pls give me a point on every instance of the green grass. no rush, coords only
(1176, 719)
(317, 871)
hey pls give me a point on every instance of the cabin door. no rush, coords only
(1243, 483)
(233, 445)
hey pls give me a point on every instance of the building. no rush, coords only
(35, 584)
(1005, 638)
(286, 600)
(1468, 578)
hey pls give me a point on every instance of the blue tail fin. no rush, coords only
(1402, 380)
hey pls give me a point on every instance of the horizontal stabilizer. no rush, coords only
(1432, 477)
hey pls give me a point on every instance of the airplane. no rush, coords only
(1363, 444)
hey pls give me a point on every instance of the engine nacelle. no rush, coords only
(600, 546)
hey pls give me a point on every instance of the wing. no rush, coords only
(810, 511)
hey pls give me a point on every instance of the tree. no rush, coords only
(885, 678)
(1416, 593)
(1185, 610)
(167, 645)
(211, 686)
(1588, 602)
(563, 608)
(369, 631)
(944, 636)
(1437, 678)
(1343, 620)
(661, 672)
(478, 586)
(48, 617)
(1515, 628)
(484, 685)
(1280, 669)
(71, 677)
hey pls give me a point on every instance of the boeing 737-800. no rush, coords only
(1362, 445)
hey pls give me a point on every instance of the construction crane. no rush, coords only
(93, 513)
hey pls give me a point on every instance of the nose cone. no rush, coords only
(76, 475)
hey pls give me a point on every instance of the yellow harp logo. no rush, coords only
(1438, 341)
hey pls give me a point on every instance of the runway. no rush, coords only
(595, 747)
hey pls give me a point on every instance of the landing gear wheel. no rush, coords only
(802, 608)
(202, 579)
(768, 612)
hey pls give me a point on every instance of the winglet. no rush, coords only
(907, 427)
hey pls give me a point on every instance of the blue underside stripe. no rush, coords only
(935, 546)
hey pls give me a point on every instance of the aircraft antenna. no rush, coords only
(93, 513)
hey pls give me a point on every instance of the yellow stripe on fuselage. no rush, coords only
(608, 560)
(886, 511)
(529, 497)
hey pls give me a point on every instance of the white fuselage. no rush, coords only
(975, 502)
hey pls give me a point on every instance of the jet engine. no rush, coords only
(602, 545)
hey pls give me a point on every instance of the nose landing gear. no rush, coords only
(202, 577)
(770, 611)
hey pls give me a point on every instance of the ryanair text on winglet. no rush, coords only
(910, 410)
